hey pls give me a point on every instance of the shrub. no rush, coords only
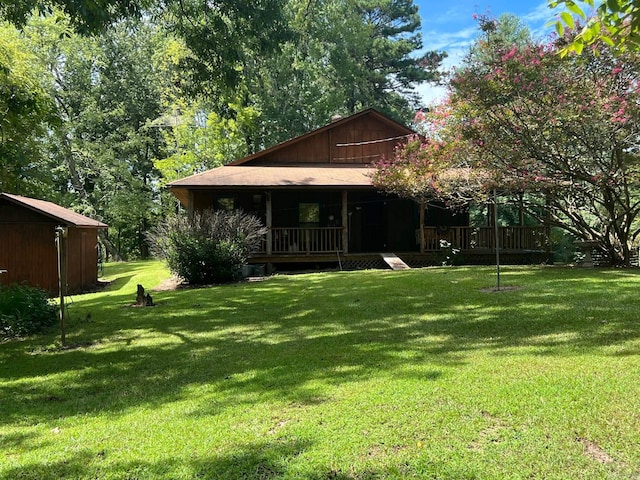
(209, 246)
(24, 311)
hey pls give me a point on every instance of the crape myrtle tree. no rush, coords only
(562, 129)
(436, 164)
(439, 163)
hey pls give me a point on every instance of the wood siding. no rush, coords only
(28, 251)
(365, 140)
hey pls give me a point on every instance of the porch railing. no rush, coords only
(466, 238)
(305, 240)
(309, 240)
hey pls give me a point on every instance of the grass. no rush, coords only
(376, 374)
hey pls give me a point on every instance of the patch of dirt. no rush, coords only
(491, 434)
(593, 451)
(501, 289)
(273, 430)
(175, 283)
(168, 285)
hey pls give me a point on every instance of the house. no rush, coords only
(314, 194)
(28, 252)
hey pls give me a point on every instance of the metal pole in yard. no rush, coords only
(495, 226)
(61, 233)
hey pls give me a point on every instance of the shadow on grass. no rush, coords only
(260, 461)
(278, 337)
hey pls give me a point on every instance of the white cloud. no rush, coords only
(431, 94)
(434, 40)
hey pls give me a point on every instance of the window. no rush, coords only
(309, 214)
(225, 203)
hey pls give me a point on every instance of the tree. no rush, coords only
(439, 163)
(106, 91)
(222, 37)
(373, 51)
(436, 165)
(86, 15)
(344, 56)
(565, 128)
(564, 131)
(616, 23)
(24, 111)
(198, 138)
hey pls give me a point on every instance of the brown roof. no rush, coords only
(64, 215)
(261, 176)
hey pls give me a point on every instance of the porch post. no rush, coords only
(345, 223)
(269, 223)
(190, 206)
(422, 246)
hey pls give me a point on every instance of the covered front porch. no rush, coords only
(318, 225)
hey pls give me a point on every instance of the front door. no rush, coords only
(367, 223)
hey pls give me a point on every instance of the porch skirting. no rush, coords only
(362, 261)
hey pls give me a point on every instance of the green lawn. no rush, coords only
(376, 374)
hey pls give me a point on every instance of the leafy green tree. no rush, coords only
(222, 36)
(106, 91)
(86, 15)
(198, 138)
(345, 55)
(616, 23)
(24, 112)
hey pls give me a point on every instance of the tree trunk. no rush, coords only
(113, 251)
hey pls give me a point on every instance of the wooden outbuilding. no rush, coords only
(28, 252)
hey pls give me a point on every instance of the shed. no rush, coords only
(28, 250)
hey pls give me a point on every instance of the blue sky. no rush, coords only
(449, 26)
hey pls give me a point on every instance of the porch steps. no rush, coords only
(394, 261)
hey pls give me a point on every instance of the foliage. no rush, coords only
(86, 15)
(24, 110)
(435, 165)
(346, 55)
(101, 151)
(566, 128)
(348, 375)
(615, 24)
(521, 118)
(207, 247)
(24, 310)
(222, 36)
(198, 139)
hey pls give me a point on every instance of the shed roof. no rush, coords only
(51, 210)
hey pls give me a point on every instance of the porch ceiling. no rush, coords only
(261, 176)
